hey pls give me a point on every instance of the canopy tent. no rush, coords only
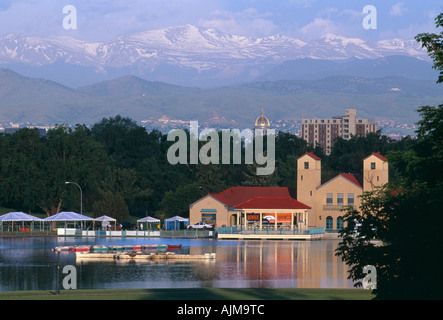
(68, 216)
(105, 219)
(148, 220)
(176, 222)
(18, 217)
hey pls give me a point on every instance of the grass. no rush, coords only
(193, 294)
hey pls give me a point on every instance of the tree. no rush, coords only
(434, 45)
(34, 169)
(406, 215)
(176, 202)
(113, 205)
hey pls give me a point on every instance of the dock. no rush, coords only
(131, 252)
(144, 256)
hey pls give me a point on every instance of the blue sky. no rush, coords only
(104, 20)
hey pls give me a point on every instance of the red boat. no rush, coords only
(174, 246)
(81, 249)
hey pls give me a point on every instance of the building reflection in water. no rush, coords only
(294, 264)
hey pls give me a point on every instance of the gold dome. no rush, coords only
(262, 122)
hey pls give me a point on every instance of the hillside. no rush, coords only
(39, 101)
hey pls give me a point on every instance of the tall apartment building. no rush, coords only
(324, 132)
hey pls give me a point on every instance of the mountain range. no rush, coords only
(190, 73)
(185, 55)
(42, 102)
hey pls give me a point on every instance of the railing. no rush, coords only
(335, 207)
(187, 233)
(271, 231)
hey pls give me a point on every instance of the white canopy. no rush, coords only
(177, 218)
(104, 218)
(148, 219)
(18, 216)
(68, 216)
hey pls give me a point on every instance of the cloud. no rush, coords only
(397, 9)
(248, 22)
(317, 28)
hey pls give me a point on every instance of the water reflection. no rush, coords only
(29, 264)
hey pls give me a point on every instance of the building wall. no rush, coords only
(334, 187)
(312, 193)
(375, 172)
(324, 131)
(307, 182)
(223, 216)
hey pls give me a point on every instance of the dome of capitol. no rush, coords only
(262, 122)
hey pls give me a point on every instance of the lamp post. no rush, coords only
(57, 280)
(81, 195)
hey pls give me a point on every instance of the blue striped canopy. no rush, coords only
(68, 216)
(18, 216)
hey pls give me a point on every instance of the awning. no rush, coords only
(18, 216)
(68, 216)
(148, 219)
(104, 218)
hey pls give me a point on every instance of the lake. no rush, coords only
(29, 263)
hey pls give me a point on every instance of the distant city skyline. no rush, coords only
(102, 20)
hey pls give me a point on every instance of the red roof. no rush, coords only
(236, 195)
(378, 155)
(354, 178)
(313, 156)
(272, 203)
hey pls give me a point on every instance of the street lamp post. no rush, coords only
(81, 195)
(57, 280)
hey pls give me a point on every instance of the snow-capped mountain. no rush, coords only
(191, 48)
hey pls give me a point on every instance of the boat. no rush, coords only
(174, 246)
(149, 246)
(116, 248)
(62, 249)
(137, 247)
(81, 249)
(99, 248)
(161, 246)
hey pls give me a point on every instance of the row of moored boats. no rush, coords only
(114, 248)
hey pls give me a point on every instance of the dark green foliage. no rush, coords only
(406, 214)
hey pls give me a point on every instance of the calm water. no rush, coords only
(29, 264)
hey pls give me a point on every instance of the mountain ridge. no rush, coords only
(39, 101)
(194, 56)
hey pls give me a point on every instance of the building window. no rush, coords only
(339, 223)
(301, 177)
(372, 165)
(378, 178)
(329, 199)
(339, 199)
(329, 223)
(210, 218)
(350, 199)
(306, 165)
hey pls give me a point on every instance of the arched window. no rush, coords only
(339, 223)
(329, 223)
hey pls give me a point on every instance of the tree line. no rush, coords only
(123, 169)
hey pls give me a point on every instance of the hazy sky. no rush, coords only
(104, 20)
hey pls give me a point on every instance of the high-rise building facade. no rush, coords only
(324, 131)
